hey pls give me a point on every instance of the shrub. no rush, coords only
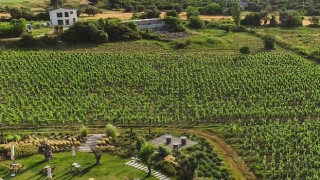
(273, 21)
(196, 22)
(174, 23)
(181, 44)
(269, 42)
(166, 168)
(49, 39)
(245, 50)
(211, 9)
(111, 131)
(139, 8)
(290, 18)
(28, 40)
(172, 13)
(252, 19)
(151, 12)
(314, 20)
(91, 10)
(84, 131)
(100, 37)
(13, 137)
(163, 151)
(192, 11)
(119, 31)
(140, 143)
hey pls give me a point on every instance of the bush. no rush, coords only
(49, 39)
(245, 50)
(13, 29)
(119, 31)
(13, 137)
(139, 8)
(174, 23)
(269, 42)
(181, 44)
(163, 151)
(211, 9)
(192, 11)
(151, 12)
(84, 131)
(252, 19)
(140, 143)
(172, 13)
(166, 168)
(196, 22)
(273, 21)
(111, 131)
(314, 20)
(100, 37)
(28, 40)
(290, 18)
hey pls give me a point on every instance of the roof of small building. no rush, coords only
(61, 9)
(174, 141)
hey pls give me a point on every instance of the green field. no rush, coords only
(112, 167)
(50, 88)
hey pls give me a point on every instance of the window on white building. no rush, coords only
(66, 14)
(67, 22)
(71, 12)
(60, 22)
(59, 14)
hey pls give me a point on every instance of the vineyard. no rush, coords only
(277, 150)
(56, 88)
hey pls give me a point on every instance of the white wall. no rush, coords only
(55, 20)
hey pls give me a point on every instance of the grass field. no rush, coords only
(112, 167)
(303, 38)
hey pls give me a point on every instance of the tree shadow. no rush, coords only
(8, 176)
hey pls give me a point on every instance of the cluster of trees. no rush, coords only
(27, 14)
(287, 18)
(104, 30)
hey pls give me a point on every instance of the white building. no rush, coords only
(64, 17)
(155, 24)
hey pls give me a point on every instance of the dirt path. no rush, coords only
(237, 166)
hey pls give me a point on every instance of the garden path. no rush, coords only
(91, 141)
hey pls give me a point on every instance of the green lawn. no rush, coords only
(111, 168)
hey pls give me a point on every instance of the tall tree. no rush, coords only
(236, 13)
(147, 155)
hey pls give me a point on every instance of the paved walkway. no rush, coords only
(92, 139)
(142, 167)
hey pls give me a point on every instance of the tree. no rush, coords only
(147, 154)
(269, 42)
(212, 9)
(98, 151)
(252, 19)
(140, 143)
(91, 10)
(196, 22)
(57, 3)
(192, 11)
(46, 150)
(290, 18)
(236, 13)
